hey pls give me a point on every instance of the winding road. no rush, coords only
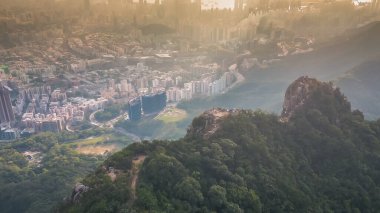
(110, 124)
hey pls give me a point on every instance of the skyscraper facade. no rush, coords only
(134, 110)
(6, 111)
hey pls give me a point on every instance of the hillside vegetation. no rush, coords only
(323, 158)
(37, 172)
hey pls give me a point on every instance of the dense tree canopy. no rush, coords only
(38, 172)
(325, 159)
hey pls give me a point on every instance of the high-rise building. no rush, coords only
(6, 111)
(9, 134)
(52, 125)
(134, 110)
(153, 103)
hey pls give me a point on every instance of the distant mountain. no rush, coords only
(362, 86)
(264, 88)
(322, 158)
(343, 53)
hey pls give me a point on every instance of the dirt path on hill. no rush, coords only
(136, 163)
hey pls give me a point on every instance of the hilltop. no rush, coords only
(325, 158)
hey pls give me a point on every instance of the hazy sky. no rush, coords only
(218, 4)
(207, 4)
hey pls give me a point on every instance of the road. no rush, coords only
(122, 131)
(68, 128)
(93, 121)
(110, 124)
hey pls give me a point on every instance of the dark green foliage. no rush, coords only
(189, 189)
(163, 165)
(325, 159)
(38, 185)
(108, 197)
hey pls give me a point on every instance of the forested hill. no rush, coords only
(318, 156)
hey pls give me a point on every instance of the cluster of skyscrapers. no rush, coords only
(146, 105)
(208, 86)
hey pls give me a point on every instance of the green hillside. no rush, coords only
(325, 158)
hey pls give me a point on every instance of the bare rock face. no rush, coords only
(78, 191)
(297, 94)
(208, 123)
(304, 93)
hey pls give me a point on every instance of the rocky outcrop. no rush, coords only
(309, 93)
(208, 123)
(297, 94)
(78, 192)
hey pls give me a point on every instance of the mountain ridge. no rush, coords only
(325, 158)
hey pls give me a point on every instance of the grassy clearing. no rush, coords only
(97, 149)
(89, 141)
(93, 145)
(172, 115)
(98, 145)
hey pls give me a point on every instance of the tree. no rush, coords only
(217, 197)
(189, 190)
